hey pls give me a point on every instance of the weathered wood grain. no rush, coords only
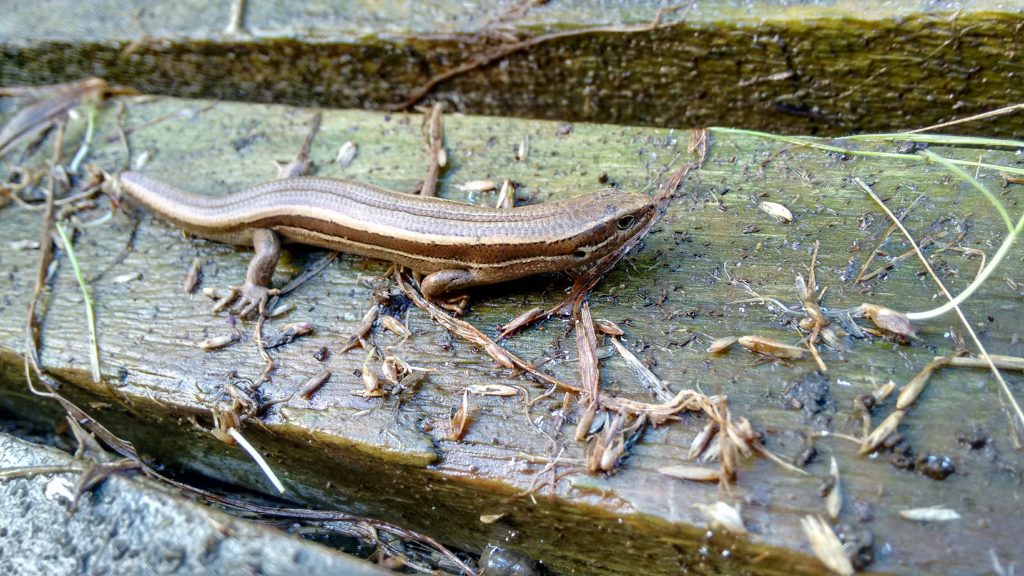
(816, 67)
(673, 297)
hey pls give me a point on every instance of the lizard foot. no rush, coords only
(456, 304)
(252, 298)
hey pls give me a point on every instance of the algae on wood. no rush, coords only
(392, 460)
(816, 67)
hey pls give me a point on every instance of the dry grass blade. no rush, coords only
(90, 317)
(586, 345)
(647, 378)
(1017, 412)
(990, 114)
(826, 545)
(656, 413)
(1002, 362)
(257, 457)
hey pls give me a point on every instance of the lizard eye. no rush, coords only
(626, 222)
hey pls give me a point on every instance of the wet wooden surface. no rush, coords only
(816, 67)
(392, 460)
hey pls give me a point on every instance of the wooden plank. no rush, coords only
(812, 68)
(395, 462)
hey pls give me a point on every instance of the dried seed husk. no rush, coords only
(612, 452)
(520, 321)
(607, 327)
(346, 154)
(882, 393)
(769, 347)
(281, 310)
(714, 450)
(703, 438)
(394, 368)
(310, 387)
(881, 432)
(459, 422)
(693, 473)
(834, 499)
(888, 319)
(393, 324)
(826, 545)
(720, 345)
(930, 514)
(362, 332)
(217, 342)
(777, 211)
(478, 185)
(913, 389)
(725, 517)
(192, 277)
(492, 390)
(370, 382)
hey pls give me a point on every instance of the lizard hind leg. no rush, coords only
(256, 289)
(446, 288)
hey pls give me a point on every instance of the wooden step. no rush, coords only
(393, 459)
(825, 68)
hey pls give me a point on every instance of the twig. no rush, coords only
(500, 52)
(24, 471)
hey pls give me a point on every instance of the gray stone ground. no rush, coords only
(127, 526)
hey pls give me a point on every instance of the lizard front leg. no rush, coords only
(256, 290)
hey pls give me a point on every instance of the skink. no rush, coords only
(456, 245)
